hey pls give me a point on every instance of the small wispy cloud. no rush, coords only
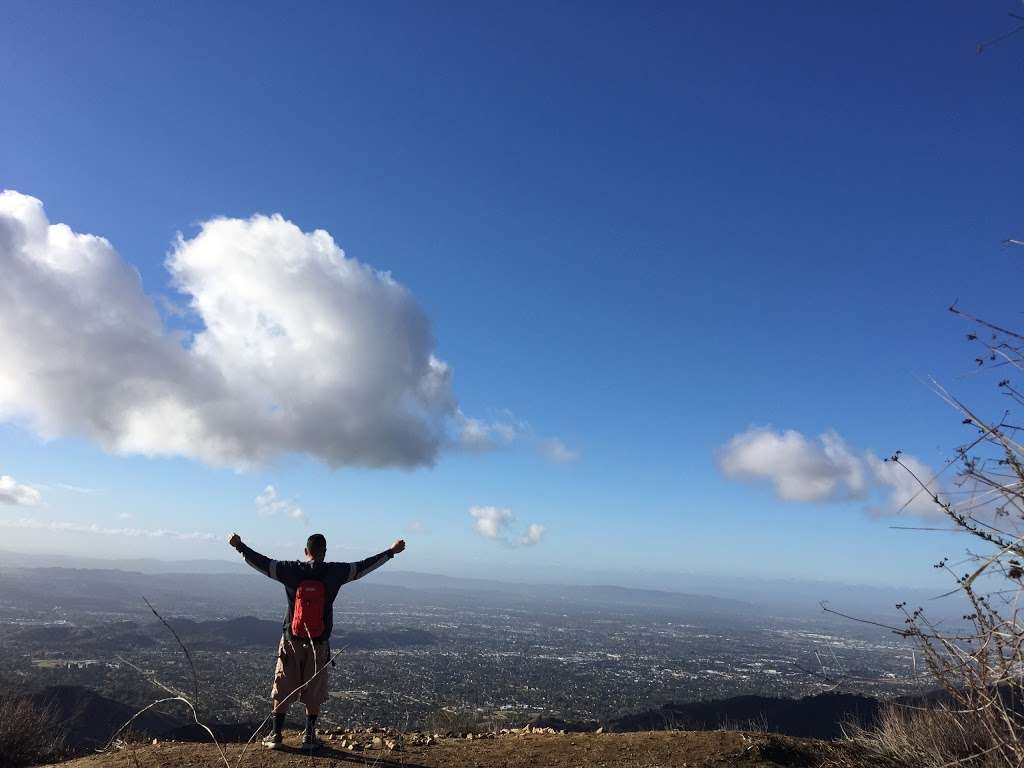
(494, 523)
(270, 503)
(534, 532)
(76, 488)
(825, 469)
(68, 527)
(18, 494)
(416, 526)
(172, 308)
(557, 452)
(480, 435)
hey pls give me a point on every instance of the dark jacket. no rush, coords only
(293, 572)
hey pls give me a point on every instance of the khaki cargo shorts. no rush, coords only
(297, 662)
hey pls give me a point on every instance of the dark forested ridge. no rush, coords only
(90, 718)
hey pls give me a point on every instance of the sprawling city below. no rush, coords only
(498, 653)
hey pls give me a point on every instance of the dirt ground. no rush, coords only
(677, 749)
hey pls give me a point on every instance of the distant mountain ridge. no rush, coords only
(820, 716)
(89, 719)
(99, 589)
(717, 594)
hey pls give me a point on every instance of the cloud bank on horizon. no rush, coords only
(826, 470)
(27, 523)
(298, 349)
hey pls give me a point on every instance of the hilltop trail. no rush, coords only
(676, 749)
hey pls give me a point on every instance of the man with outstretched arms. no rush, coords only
(311, 586)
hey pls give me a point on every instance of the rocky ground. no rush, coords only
(516, 748)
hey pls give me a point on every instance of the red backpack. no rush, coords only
(308, 616)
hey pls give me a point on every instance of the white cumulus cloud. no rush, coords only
(824, 469)
(296, 348)
(494, 523)
(799, 468)
(490, 522)
(269, 503)
(18, 494)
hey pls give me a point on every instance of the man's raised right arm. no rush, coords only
(261, 563)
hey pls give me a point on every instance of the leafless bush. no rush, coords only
(979, 664)
(758, 724)
(910, 737)
(29, 733)
(447, 720)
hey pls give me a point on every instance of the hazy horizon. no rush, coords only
(877, 599)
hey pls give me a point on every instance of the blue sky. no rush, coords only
(641, 231)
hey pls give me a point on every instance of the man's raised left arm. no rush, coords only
(363, 567)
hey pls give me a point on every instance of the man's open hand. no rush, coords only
(235, 541)
(398, 546)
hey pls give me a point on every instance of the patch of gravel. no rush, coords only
(513, 748)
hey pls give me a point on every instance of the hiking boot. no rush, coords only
(310, 743)
(273, 740)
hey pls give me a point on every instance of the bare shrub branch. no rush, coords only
(29, 733)
(980, 664)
